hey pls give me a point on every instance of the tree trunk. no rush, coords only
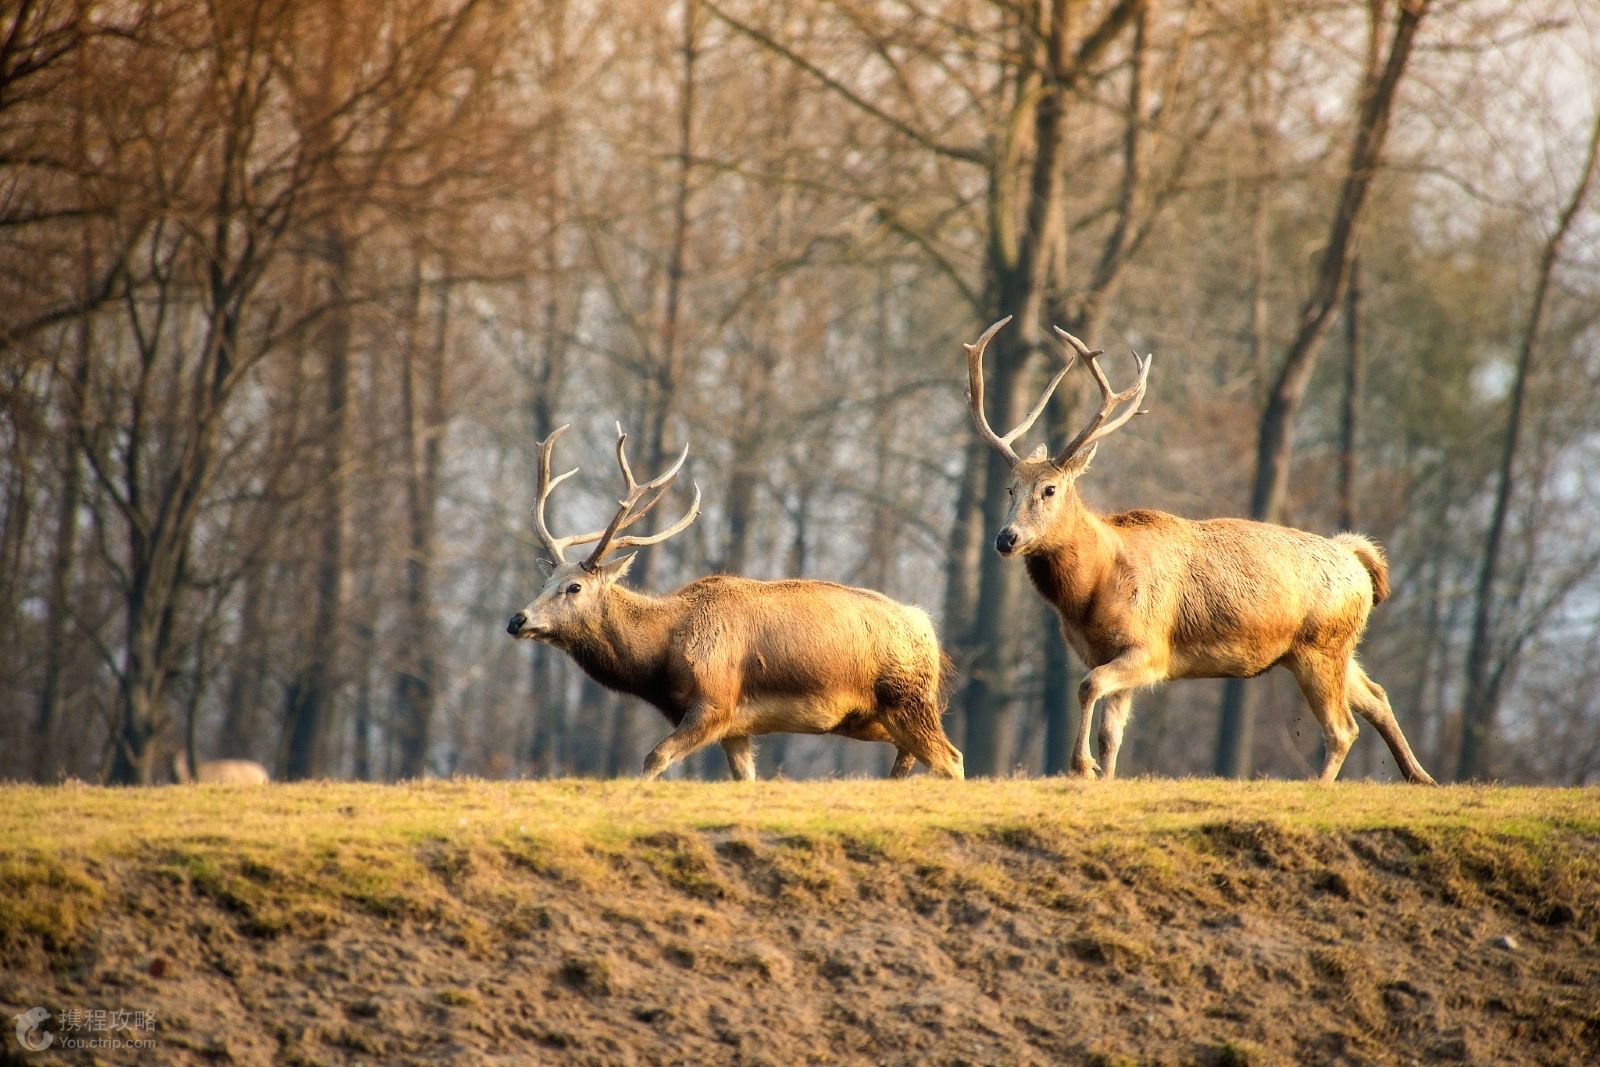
(1275, 443)
(547, 750)
(415, 683)
(241, 705)
(962, 552)
(668, 365)
(1350, 409)
(1275, 439)
(310, 711)
(1021, 264)
(1478, 715)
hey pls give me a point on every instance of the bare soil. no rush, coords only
(1222, 941)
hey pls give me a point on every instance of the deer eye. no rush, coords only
(572, 590)
(1049, 490)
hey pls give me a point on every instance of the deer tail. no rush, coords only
(1371, 556)
(941, 681)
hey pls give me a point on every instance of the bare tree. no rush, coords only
(1486, 673)
(1274, 445)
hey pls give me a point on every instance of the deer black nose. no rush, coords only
(1005, 541)
(518, 621)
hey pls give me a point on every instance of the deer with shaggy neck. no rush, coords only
(726, 659)
(1145, 596)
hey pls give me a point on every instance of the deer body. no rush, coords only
(727, 659)
(220, 772)
(1235, 596)
(1145, 596)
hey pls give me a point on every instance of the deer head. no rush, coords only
(1043, 486)
(574, 593)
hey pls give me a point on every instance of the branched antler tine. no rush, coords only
(670, 473)
(1077, 346)
(636, 491)
(622, 456)
(543, 485)
(660, 484)
(1132, 397)
(975, 393)
(628, 514)
(1098, 426)
(606, 536)
(629, 518)
(639, 541)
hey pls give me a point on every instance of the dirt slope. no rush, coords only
(918, 922)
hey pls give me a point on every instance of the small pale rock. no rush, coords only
(1507, 942)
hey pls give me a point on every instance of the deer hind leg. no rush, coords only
(908, 708)
(703, 725)
(1114, 715)
(932, 747)
(1322, 682)
(918, 735)
(1113, 681)
(1369, 700)
(741, 755)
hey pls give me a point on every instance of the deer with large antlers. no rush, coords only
(726, 658)
(1145, 597)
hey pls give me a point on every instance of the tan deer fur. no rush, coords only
(221, 772)
(1145, 596)
(727, 659)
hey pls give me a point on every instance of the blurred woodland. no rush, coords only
(289, 290)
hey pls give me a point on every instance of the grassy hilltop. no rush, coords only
(836, 922)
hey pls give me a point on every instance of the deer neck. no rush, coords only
(625, 648)
(1079, 554)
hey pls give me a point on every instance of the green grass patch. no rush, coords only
(299, 856)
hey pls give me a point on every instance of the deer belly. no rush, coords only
(1227, 659)
(787, 714)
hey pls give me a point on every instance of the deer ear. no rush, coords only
(1079, 463)
(547, 567)
(1039, 453)
(617, 569)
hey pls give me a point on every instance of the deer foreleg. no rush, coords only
(1113, 720)
(1083, 764)
(698, 729)
(1112, 680)
(741, 755)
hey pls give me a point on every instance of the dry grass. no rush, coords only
(291, 856)
(1218, 907)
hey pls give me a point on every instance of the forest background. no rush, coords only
(289, 290)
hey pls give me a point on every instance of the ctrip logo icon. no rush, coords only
(29, 1036)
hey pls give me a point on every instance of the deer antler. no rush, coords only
(1098, 427)
(1000, 444)
(628, 514)
(556, 546)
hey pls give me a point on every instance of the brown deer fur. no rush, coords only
(1145, 596)
(727, 659)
